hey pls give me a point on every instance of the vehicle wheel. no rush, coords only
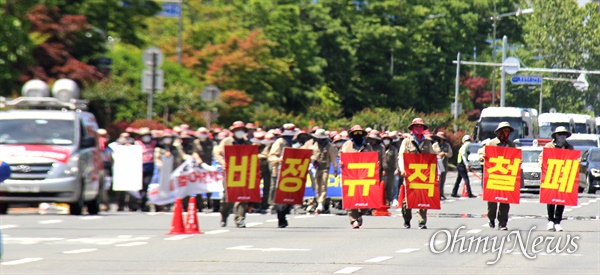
(4, 208)
(590, 187)
(76, 208)
(93, 206)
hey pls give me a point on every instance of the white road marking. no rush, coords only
(473, 231)
(216, 231)
(21, 261)
(450, 200)
(177, 238)
(585, 203)
(91, 218)
(272, 220)
(486, 225)
(575, 207)
(463, 198)
(7, 226)
(30, 240)
(304, 217)
(378, 259)
(50, 221)
(131, 244)
(594, 200)
(271, 249)
(347, 270)
(77, 251)
(407, 250)
(251, 224)
(568, 210)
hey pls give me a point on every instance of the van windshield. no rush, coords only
(547, 128)
(37, 131)
(488, 125)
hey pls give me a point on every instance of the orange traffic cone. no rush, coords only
(464, 192)
(191, 222)
(177, 223)
(401, 196)
(382, 210)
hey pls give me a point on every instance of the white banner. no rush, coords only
(187, 180)
(127, 168)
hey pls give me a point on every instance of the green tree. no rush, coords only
(562, 35)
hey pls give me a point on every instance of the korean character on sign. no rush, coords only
(503, 175)
(366, 183)
(242, 170)
(418, 179)
(291, 177)
(561, 175)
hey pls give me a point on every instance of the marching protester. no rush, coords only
(165, 148)
(148, 145)
(356, 143)
(275, 157)
(389, 166)
(463, 168)
(203, 152)
(444, 151)
(258, 139)
(415, 143)
(496, 209)
(555, 211)
(240, 208)
(324, 155)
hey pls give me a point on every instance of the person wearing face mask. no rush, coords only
(148, 146)
(203, 153)
(324, 155)
(389, 165)
(415, 143)
(555, 212)
(496, 209)
(275, 157)
(356, 143)
(240, 208)
(165, 148)
(338, 141)
(258, 140)
(463, 168)
(444, 151)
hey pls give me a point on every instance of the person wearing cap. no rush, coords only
(463, 168)
(495, 209)
(165, 148)
(324, 155)
(375, 140)
(263, 153)
(338, 141)
(356, 143)
(275, 156)
(301, 138)
(148, 145)
(251, 129)
(203, 153)
(555, 211)
(389, 166)
(240, 208)
(444, 151)
(415, 143)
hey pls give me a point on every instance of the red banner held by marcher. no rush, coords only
(292, 176)
(242, 173)
(502, 175)
(422, 190)
(560, 177)
(361, 187)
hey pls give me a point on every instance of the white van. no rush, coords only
(52, 149)
(522, 120)
(584, 124)
(549, 121)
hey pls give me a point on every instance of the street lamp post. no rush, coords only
(494, 25)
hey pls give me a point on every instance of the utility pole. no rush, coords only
(456, 86)
(503, 73)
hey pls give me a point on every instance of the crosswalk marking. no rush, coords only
(378, 259)
(178, 237)
(131, 244)
(407, 250)
(77, 251)
(7, 226)
(219, 231)
(50, 221)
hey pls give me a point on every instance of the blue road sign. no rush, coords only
(170, 10)
(526, 80)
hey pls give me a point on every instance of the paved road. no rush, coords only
(136, 243)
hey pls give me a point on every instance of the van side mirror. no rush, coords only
(88, 142)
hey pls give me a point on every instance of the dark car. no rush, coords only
(589, 171)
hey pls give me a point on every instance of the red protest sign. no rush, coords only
(361, 187)
(242, 175)
(560, 177)
(502, 175)
(421, 180)
(292, 176)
